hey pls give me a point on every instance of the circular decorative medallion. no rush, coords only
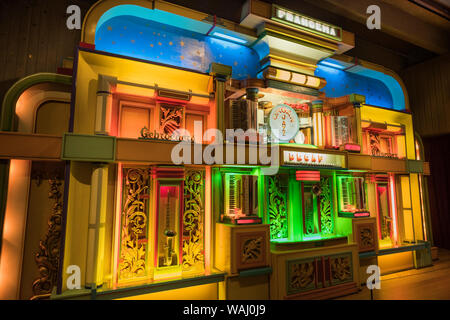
(284, 123)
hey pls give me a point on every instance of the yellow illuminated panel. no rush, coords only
(380, 115)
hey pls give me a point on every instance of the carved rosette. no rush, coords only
(171, 118)
(277, 209)
(326, 209)
(47, 259)
(193, 253)
(133, 247)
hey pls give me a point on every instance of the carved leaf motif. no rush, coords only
(277, 209)
(134, 225)
(326, 209)
(171, 117)
(193, 219)
(251, 250)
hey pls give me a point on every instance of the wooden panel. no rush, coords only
(428, 86)
(29, 146)
(365, 234)
(325, 284)
(361, 162)
(388, 165)
(89, 148)
(35, 38)
(241, 247)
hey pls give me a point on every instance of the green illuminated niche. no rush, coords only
(326, 207)
(277, 209)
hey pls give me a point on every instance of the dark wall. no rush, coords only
(34, 37)
(437, 151)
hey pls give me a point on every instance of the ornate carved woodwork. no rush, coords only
(171, 118)
(326, 207)
(47, 258)
(251, 251)
(134, 224)
(277, 209)
(193, 219)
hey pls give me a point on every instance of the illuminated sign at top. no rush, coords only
(306, 23)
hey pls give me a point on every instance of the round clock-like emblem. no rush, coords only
(284, 123)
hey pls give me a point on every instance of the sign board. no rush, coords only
(314, 159)
(306, 23)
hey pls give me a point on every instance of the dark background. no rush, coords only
(34, 38)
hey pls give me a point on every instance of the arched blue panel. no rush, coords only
(341, 83)
(167, 38)
(379, 88)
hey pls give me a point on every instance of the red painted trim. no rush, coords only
(303, 209)
(316, 276)
(156, 225)
(213, 26)
(329, 271)
(171, 101)
(87, 45)
(323, 272)
(180, 249)
(319, 213)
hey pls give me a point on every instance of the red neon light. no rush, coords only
(298, 106)
(308, 175)
(352, 147)
(247, 221)
(362, 214)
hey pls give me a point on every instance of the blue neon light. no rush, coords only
(227, 37)
(332, 65)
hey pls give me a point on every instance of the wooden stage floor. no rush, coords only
(431, 283)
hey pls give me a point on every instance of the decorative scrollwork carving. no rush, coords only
(47, 259)
(366, 237)
(341, 268)
(134, 224)
(170, 118)
(302, 275)
(374, 142)
(326, 209)
(193, 219)
(251, 250)
(277, 209)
